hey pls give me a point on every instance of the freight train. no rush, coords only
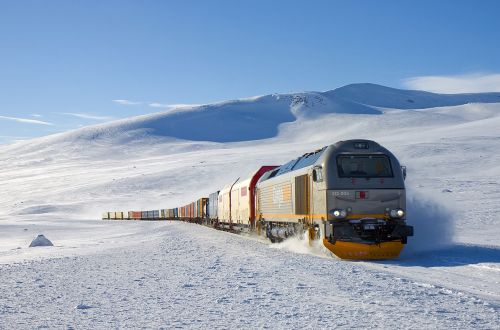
(351, 195)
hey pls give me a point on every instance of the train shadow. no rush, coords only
(450, 256)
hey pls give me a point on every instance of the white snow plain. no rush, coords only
(135, 274)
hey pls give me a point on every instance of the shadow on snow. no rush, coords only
(451, 256)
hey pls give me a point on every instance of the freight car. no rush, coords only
(236, 203)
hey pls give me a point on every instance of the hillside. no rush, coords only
(260, 117)
(177, 274)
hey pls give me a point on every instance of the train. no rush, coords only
(349, 195)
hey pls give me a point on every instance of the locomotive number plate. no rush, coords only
(341, 193)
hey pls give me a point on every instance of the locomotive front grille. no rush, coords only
(369, 231)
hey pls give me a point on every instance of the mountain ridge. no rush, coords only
(259, 117)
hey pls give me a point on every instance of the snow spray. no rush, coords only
(300, 244)
(432, 220)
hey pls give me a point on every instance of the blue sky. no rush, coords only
(64, 64)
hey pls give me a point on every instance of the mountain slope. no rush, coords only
(260, 117)
(386, 97)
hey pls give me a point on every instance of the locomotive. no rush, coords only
(350, 195)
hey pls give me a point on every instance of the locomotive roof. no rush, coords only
(310, 158)
(300, 162)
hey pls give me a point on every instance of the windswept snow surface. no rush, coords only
(102, 274)
(192, 276)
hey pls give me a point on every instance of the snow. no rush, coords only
(131, 274)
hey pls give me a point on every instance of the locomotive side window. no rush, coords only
(317, 174)
(364, 166)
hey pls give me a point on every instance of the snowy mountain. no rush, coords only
(260, 117)
(135, 274)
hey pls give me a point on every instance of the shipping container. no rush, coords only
(212, 205)
(192, 214)
(201, 208)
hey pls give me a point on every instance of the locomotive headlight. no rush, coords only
(397, 213)
(339, 213)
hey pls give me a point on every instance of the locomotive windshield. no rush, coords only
(364, 166)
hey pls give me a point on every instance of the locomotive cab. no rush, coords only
(365, 201)
(350, 194)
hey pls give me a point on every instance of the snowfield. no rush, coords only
(192, 276)
(102, 274)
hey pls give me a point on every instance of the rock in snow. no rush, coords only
(41, 240)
